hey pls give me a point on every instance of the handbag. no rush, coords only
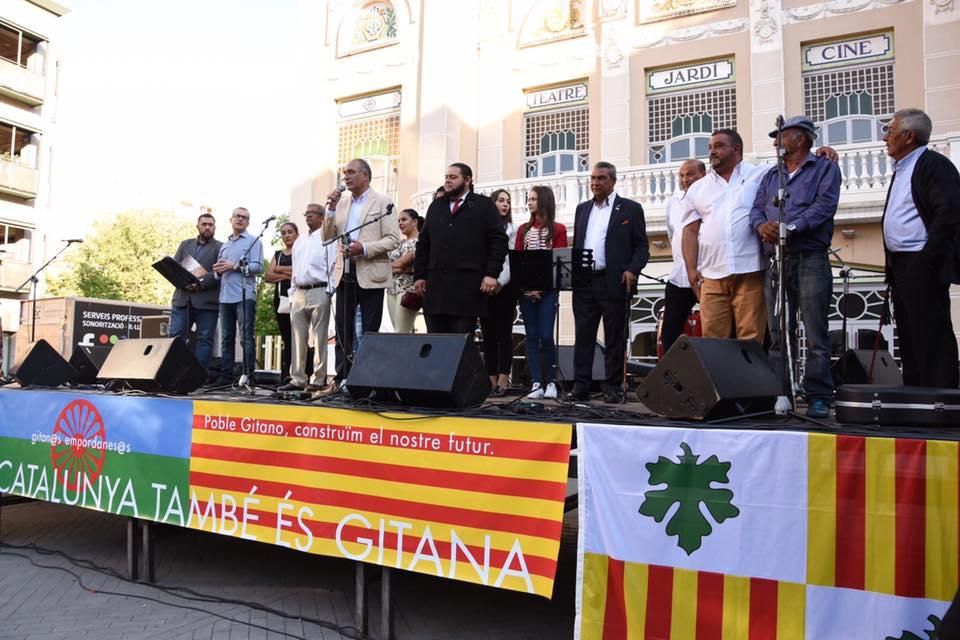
(411, 300)
(284, 305)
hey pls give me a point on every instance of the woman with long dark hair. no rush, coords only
(497, 325)
(539, 308)
(279, 273)
(401, 261)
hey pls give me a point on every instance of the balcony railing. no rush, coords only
(20, 83)
(18, 179)
(865, 168)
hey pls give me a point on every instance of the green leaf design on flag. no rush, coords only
(689, 484)
(932, 634)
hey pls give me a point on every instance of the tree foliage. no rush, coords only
(266, 320)
(115, 260)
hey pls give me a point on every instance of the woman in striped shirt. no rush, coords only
(539, 308)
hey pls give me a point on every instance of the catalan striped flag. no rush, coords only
(883, 515)
(650, 602)
(469, 499)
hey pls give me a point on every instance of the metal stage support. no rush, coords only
(361, 605)
(140, 557)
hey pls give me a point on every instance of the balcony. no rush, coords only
(14, 273)
(865, 168)
(21, 84)
(17, 179)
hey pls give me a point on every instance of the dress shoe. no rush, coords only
(291, 387)
(311, 388)
(325, 392)
(818, 409)
(613, 396)
(577, 396)
(222, 381)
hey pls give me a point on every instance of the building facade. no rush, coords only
(28, 78)
(535, 91)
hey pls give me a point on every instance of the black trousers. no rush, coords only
(286, 342)
(591, 305)
(677, 304)
(921, 307)
(446, 323)
(497, 327)
(349, 296)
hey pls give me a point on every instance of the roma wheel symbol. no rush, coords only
(77, 426)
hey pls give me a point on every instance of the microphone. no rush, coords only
(780, 121)
(389, 209)
(72, 240)
(269, 220)
(340, 189)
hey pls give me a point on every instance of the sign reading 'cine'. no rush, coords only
(878, 46)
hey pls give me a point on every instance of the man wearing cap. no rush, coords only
(811, 195)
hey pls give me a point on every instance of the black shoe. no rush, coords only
(290, 387)
(577, 396)
(222, 381)
(498, 392)
(613, 397)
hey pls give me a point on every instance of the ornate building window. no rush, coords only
(680, 124)
(848, 87)
(557, 142)
(850, 105)
(373, 136)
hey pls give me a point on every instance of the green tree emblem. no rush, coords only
(932, 634)
(689, 484)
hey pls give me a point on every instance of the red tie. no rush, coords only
(456, 205)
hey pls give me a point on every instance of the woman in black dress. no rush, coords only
(280, 272)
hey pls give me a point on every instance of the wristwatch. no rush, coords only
(791, 228)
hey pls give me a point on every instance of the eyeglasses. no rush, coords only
(239, 217)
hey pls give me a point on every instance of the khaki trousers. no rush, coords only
(309, 321)
(736, 301)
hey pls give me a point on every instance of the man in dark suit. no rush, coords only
(613, 227)
(920, 223)
(198, 304)
(460, 252)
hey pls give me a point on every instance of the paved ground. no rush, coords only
(47, 604)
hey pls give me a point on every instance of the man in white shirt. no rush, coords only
(723, 255)
(311, 288)
(678, 297)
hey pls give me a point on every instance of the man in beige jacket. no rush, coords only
(366, 268)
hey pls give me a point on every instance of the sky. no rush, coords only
(164, 101)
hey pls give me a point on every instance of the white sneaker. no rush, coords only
(536, 392)
(551, 391)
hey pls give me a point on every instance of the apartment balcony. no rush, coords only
(18, 179)
(865, 168)
(21, 84)
(14, 273)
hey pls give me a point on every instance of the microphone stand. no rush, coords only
(845, 274)
(344, 239)
(245, 381)
(785, 401)
(33, 296)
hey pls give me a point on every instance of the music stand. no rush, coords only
(552, 270)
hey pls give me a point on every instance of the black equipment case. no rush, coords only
(898, 406)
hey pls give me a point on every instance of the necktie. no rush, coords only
(456, 206)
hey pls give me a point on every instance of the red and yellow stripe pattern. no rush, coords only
(440, 506)
(650, 602)
(883, 515)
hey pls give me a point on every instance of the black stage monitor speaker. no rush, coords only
(706, 378)
(43, 366)
(423, 370)
(853, 367)
(87, 361)
(154, 365)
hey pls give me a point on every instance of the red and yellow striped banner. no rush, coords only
(475, 500)
(650, 602)
(883, 515)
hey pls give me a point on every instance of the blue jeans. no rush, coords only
(538, 318)
(230, 314)
(808, 281)
(182, 318)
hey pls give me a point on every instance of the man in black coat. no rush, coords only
(613, 227)
(198, 304)
(460, 252)
(920, 225)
